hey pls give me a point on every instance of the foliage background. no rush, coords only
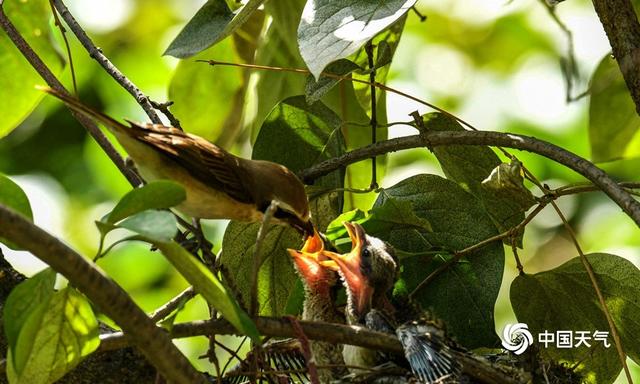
(491, 62)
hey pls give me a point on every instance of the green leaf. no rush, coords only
(279, 48)
(152, 224)
(613, 120)
(12, 196)
(276, 279)
(155, 195)
(53, 332)
(314, 90)
(212, 23)
(468, 289)
(310, 134)
(469, 166)
(330, 30)
(208, 285)
(202, 93)
(31, 18)
(507, 181)
(564, 299)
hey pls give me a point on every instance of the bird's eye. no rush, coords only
(366, 253)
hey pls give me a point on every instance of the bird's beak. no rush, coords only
(311, 259)
(350, 266)
(306, 228)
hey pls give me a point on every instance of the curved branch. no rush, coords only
(108, 66)
(54, 83)
(473, 366)
(154, 343)
(526, 143)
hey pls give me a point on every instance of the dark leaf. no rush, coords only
(468, 289)
(563, 299)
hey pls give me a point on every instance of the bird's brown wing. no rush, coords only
(208, 163)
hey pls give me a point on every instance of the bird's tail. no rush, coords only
(76, 105)
(430, 358)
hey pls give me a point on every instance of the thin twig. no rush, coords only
(172, 304)
(374, 120)
(164, 108)
(439, 138)
(54, 83)
(104, 292)
(63, 31)
(96, 54)
(594, 283)
(459, 254)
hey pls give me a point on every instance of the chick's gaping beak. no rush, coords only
(311, 258)
(350, 266)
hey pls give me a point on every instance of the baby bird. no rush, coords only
(369, 271)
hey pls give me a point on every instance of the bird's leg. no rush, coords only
(204, 245)
(257, 257)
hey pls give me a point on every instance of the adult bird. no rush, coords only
(369, 271)
(218, 184)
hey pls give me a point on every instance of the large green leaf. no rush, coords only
(278, 48)
(469, 166)
(208, 285)
(564, 299)
(12, 196)
(469, 288)
(51, 332)
(212, 23)
(31, 18)
(613, 120)
(152, 224)
(202, 94)
(330, 30)
(158, 194)
(276, 279)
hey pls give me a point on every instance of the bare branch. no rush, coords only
(152, 341)
(97, 55)
(621, 25)
(526, 143)
(54, 83)
(473, 366)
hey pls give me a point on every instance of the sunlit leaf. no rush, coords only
(212, 23)
(31, 18)
(202, 93)
(208, 285)
(155, 195)
(53, 331)
(613, 120)
(469, 288)
(331, 30)
(563, 299)
(155, 225)
(12, 196)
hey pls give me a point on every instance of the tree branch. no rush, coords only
(54, 83)
(621, 25)
(526, 143)
(473, 366)
(152, 341)
(97, 55)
